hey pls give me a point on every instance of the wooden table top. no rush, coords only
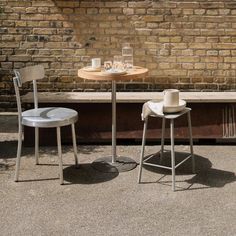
(136, 73)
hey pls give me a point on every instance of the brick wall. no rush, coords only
(190, 45)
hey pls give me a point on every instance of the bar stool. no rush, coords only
(170, 117)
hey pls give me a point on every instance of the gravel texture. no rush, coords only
(95, 203)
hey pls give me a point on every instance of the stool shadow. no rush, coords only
(204, 174)
(86, 174)
(213, 178)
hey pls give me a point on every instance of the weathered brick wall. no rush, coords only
(190, 45)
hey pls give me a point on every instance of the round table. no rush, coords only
(114, 163)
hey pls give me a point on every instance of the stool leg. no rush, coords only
(162, 138)
(60, 154)
(74, 144)
(172, 153)
(36, 145)
(191, 142)
(143, 149)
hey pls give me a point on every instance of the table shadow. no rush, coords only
(86, 174)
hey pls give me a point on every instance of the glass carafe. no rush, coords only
(127, 53)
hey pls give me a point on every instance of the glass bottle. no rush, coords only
(127, 53)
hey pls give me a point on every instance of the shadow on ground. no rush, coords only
(86, 174)
(204, 174)
(8, 150)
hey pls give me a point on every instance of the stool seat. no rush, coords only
(158, 112)
(172, 115)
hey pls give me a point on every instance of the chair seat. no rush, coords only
(49, 117)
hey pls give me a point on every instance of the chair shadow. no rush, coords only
(8, 149)
(36, 180)
(86, 174)
(204, 173)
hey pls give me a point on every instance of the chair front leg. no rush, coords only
(143, 149)
(36, 145)
(18, 157)
(60, 154)
(74, 144)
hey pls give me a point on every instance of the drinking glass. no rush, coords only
(127, 53)
(118, 63)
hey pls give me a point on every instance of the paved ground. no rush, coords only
(95, 203)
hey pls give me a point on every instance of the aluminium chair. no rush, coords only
(47, 117)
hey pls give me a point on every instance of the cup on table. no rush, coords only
(118, 63)
(96, 63)
(171, 97)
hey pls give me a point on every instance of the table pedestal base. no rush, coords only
(122, 164)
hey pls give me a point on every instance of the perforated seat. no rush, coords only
(48, 117)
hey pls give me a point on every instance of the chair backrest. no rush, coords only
(30, 73)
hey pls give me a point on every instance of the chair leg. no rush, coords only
(143, 149)
(18, 157)
(60, 154)
(172, 153)
(162, 139)
(191, 142)
(36, 145)
(74, 144)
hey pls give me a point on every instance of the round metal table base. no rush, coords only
(122, 164)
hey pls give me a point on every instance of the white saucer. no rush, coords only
(174, 109)
(90, 69)
(116, 72)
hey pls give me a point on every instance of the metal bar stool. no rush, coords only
(171, 117)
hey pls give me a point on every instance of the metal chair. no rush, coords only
(171, 117)
(48, 117)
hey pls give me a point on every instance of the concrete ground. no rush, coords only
(95, 203)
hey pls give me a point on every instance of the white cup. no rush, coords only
(96, 63)
(171, 97)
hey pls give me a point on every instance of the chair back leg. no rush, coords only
(36, 145)
(18, 157)
(74, 144)
(143, 149)
(60, 154)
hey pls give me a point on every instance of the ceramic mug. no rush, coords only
(171, 97)
(96, 63)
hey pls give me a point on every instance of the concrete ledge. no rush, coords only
(128, 97)
(213, 116)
